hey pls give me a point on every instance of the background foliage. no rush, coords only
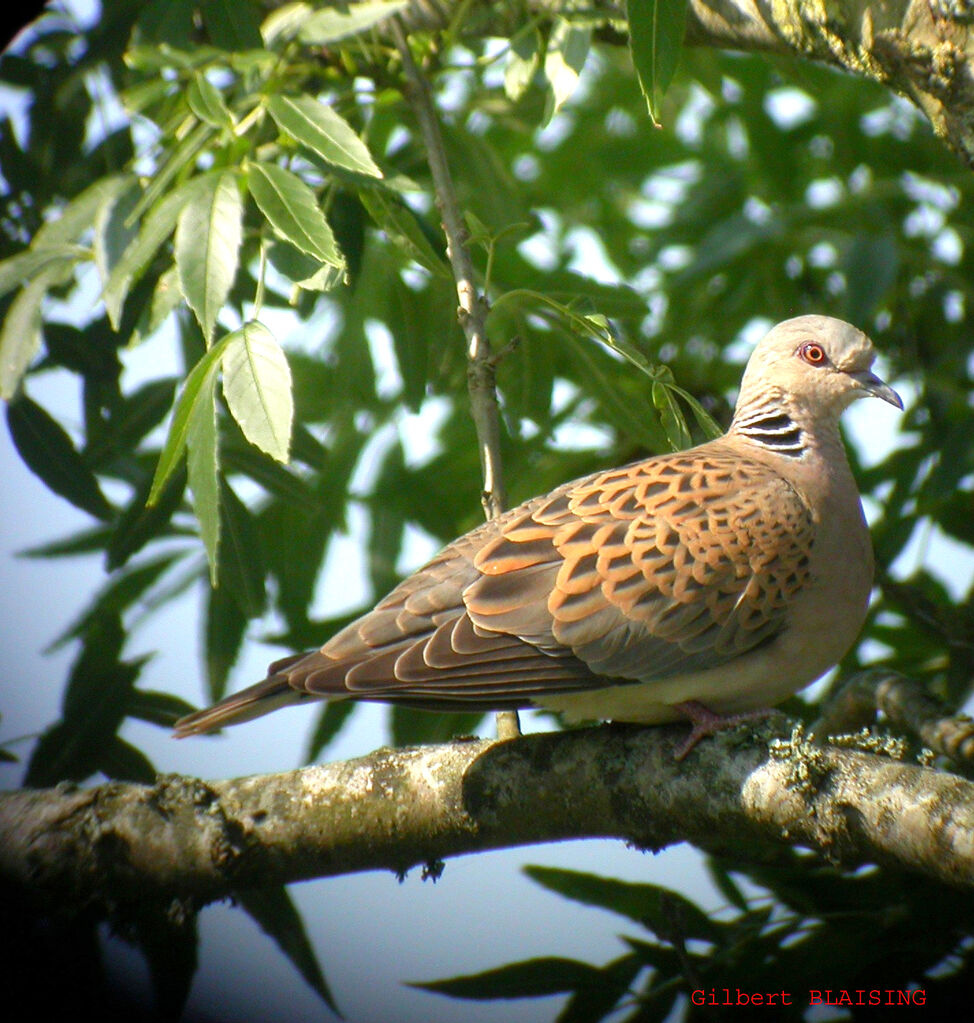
(245, 196)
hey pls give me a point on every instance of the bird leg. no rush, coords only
(706, 722)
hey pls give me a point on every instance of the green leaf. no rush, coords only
(194, 390)
(671, 417)
(330, 722)
(523, 61)
(50, 454)
(15, 270)
(207, 248)
(121, 760)
(656, 31)
(226, 626)
(230, 24)
(156, 228)
(206, 101)
(532, 978)
(329, 24)
(324, 132)
(20, 335)
(257, 386)
(404, 228)
(242, 561)
(157, 708)
(123, 590)
(657, 908)
(202, 451)
(93, 707)
(277, 917)
(568, 47)
(141, 522)
(114, 230)
(292, 210)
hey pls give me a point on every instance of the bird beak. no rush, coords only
(871, 384)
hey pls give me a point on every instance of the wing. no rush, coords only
(675, 564)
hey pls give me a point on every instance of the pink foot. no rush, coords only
(706, 722)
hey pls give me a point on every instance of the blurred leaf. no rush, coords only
(202, 464)
(120, 592)
(20, 333)
(523, 62)
(329, 25)
(231, 24)
(411, 727)
(330, 722)
(533, 978)
(277, 917)
(206, 101)
(663, 911)
(121, 760)
(158, 708)
(324, 132)
(241, 562)
(656, 30)
(404, 229)
(93, 707)
(51, 455)
(225, 628)
(257, 386)
(141, 522)
(568, 46)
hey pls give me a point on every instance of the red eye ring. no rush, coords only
(813, 354)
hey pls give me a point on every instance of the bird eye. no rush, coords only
(813, 354)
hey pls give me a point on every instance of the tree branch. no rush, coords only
(916, 47)
(124, 844)
(472, 311)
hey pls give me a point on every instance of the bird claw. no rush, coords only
(706, 722)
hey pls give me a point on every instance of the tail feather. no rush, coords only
(250, 703)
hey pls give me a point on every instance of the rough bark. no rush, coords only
(187, 841)
(920, 48)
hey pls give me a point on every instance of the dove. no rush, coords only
(704, 585)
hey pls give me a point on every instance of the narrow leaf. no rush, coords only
(51, 455)
(323, 131)
(156, 228)
(241, 563)
(201, 469)
(198, 380)
(15, 270)
(20, 335)
(329, 25)
(206, 101)
(531, 978)
(651, 905)
(656, 30)
(257, 386)
(277, 917)
(226, 625)
(671, 417)
(292, 210)
(208, 236)
(568, 47)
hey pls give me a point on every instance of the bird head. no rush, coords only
(814, 362)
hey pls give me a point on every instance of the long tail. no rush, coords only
(250, 703)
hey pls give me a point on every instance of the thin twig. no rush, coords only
(472, 311)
